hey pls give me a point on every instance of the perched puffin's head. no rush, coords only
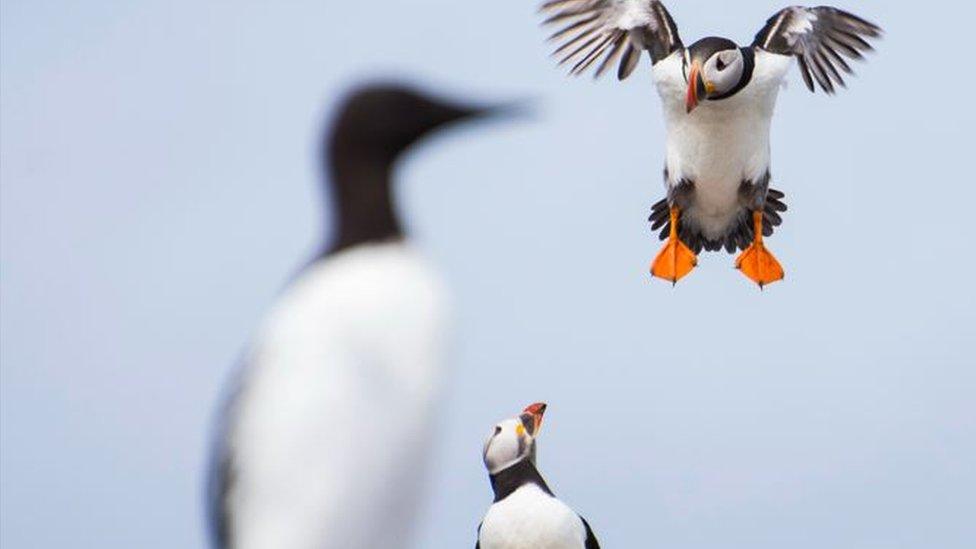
(513, 440)
(713, 67)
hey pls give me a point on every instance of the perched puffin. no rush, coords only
(525, 513)
(718, 101)
(324, 441)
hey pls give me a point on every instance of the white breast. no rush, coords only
(334, 418)
(721, 143)
(531, 519)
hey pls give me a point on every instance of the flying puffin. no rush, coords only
(325, 439)
(525, 513)
(718, 101)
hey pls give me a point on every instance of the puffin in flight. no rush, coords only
(326, 436)
(718, 101)
(525, 513)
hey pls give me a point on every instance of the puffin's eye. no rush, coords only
(498, 429)
(719, 64)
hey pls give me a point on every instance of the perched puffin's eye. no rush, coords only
(719, 64)
(498, 429)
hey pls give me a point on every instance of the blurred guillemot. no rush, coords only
(325, 439)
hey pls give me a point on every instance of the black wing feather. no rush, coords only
(591, 542)
(610, 29)
(818, 37)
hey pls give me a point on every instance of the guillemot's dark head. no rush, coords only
(512, 441)
(382, 121)
(373, 126)
(715, 68)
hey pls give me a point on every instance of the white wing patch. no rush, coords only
(802, 23)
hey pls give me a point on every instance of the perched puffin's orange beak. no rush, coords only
(535, 412)
(697, 87)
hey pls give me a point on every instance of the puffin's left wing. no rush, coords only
(820, 38)
(619, 28)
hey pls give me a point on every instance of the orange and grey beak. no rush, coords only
(532, 417)
(698, 89)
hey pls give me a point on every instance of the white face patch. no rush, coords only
(723, 71)
(508, 444)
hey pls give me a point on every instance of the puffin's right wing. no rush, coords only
(591, 542)
(820, 38)
(616, 28)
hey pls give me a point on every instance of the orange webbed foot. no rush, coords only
(757, 262)
(760, 265)
(675, 260)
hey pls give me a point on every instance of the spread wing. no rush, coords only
(820, 38)
(611, 29)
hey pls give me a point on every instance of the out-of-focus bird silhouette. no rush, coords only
(325, 439)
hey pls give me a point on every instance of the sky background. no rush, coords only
(159, 186)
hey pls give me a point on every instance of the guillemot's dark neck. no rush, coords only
(508, 480)
(362, 200)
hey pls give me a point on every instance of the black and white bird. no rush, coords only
(525, 513)
(325, 440)
(718, 101)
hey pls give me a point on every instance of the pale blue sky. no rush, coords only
(159, 185)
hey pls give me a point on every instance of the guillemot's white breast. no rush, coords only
(336, 409)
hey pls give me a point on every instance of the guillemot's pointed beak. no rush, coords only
(532, 417)
(697, 87)
(432, 115)
(445, 114)
(505, 110)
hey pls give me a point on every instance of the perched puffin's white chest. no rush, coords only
(531, 519)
